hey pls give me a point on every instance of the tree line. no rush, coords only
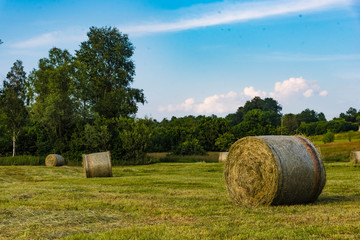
(85, 103)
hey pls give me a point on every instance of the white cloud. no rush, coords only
(284, 92)
(292, 88)
(218, 103)
(251, 92)
(323, 93)
(308, 93)
(52, 38)
(289, 87)
(230, 12)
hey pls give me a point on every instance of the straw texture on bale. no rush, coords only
(223, 156)
(355, 157)
(97, 165)
(53, 160)
(274, 170)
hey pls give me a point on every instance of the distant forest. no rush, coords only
(79, 104)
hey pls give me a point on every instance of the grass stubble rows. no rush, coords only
(165, 201)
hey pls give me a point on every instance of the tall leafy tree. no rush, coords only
(308, 116)
(55, 106)
(107, 71)
(13, 99)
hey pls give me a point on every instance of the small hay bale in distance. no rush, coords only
(355, 157)
(223, 156)
(53, 160)
(97, 165)
(274, 170)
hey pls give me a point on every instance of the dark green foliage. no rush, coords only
(255, 123)
(308, 116)
(209, 129)
(289, 123)
(55, 107)
(22, 160)
(321, 127)
(224, 142)
(267, 105)
(189, 147)
(351, 115)
(328, 137)
(105, 71)
(12, 102)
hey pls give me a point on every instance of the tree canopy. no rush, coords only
(107, 70)
(12, 101)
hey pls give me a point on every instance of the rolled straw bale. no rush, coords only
(97, 165)
(223, 156)
(274, 170)
(355, 157)
(53, 160)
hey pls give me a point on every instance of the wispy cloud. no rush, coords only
(300, 57)
(52, 38)
(230, 12)
(284, 92)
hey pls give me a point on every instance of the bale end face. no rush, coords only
(53, 160)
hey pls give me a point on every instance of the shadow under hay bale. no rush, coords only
(223, 156)
(274, 170)
(355, 157)
(53, 160)
(97, 165)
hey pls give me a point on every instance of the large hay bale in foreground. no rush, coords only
(97, 165)
(274, 170)
(223, 156)
(53, 160)
(355, 157)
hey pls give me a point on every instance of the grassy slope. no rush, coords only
(165, 201)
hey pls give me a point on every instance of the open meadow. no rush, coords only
(165, 201)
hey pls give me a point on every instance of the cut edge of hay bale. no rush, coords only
(355, 157)
(223, 156)
(274, 170)
(53, 160)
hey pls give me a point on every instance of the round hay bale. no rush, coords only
(355, 157)
(53, 160)
(274, 170)
(97, 165)
(223, 156)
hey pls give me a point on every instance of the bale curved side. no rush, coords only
(53, 160)
(274, 170)
(355, 157)
(97, 165)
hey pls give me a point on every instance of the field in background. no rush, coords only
(165, 201)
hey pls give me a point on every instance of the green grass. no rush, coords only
(165, 201)
(338, 151)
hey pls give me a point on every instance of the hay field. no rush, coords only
(165, 201)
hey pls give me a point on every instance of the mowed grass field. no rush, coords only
(165, 201)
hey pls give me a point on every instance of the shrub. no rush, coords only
(328, 137)
(189, 147)
(22, 160)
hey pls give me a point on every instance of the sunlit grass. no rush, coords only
(165, 201)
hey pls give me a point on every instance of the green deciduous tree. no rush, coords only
(289, 123)
(328, 137)
(107, 70)
(224, 142)
(55, 106)
(13, 99)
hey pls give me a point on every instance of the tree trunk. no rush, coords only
(13, 140)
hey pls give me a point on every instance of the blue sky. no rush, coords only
(208, 57)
